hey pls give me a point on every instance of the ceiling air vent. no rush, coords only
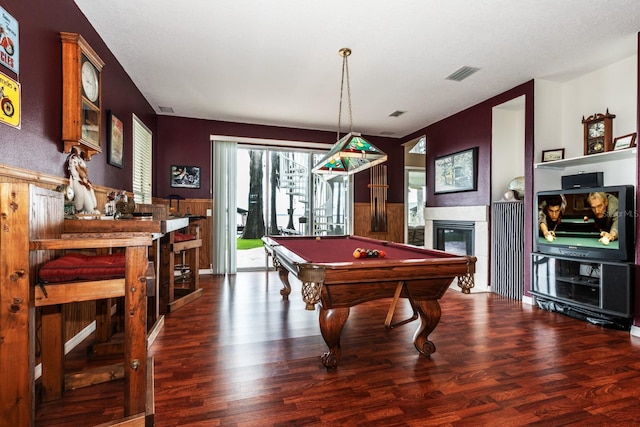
(461, 73)
(397, 113)
(166, 109)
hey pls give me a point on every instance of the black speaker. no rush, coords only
(617, 286)
(582, 180)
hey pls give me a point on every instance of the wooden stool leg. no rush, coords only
(135, 344)
(52, 355)
(103, 320)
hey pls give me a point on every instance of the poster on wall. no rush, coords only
(9, 52)
(9, 101)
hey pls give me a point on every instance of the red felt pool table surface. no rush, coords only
(333, 277)
(336, 249)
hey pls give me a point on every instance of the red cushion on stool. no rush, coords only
(71, 267)
(182, 237)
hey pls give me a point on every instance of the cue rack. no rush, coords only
(378, 187)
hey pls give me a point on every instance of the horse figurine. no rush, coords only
(84, 198)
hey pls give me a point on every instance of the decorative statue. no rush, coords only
(84, 198)
(124, 206)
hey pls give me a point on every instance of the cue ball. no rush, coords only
(586, 218)
(318, 238)
(605, 240)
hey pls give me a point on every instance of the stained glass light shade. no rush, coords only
(351, 154)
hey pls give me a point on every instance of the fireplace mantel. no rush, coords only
(479, 215)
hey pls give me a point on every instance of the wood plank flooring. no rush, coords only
(240, 356)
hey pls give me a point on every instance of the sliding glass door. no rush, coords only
(277, 194)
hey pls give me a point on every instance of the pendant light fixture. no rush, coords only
(352, 153)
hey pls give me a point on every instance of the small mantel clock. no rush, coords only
(598, 133)
(81, 95)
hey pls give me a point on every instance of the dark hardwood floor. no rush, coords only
(241, 356)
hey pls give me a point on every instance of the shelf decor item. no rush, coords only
(598, 133)
(457, 172)
(624, 141)
(185, 176)
(553, 155)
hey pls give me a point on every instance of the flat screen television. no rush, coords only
(578, 230)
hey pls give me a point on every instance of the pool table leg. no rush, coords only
(283, 273)
(331, 323)
(429, 312)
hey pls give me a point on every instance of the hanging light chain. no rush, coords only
(345, 52)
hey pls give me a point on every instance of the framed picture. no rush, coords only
(457, 172)
(116, 141)
(185, 176)
(624, 141)
(552, 155)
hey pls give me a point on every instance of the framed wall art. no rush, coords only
(624, 141)
(457, 172)
(185, 176)
(116, 141)
(552, 155)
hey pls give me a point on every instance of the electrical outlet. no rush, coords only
(208, 212)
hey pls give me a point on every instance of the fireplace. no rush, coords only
(474, 220)
(456, 237)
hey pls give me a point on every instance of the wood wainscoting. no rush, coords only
(395, 222)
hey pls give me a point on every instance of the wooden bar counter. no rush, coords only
(162, 231)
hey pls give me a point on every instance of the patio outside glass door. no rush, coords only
(278, 195)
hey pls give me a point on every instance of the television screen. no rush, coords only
(594, 223)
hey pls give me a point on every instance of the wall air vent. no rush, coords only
(461, 73)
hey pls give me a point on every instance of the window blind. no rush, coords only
(142, 139)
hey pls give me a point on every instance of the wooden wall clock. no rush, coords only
(81, 96)
(598, 133)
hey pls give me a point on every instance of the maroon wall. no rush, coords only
(37, 145)
(184, 141)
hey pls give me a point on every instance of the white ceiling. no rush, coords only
(276, 62)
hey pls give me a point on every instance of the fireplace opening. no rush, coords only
(454, 236)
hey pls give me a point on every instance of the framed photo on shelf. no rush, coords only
(552, 155)
(457, 172)
(116, 141)
(185, 176)
(624, 141)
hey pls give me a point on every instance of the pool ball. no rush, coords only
(318, 238)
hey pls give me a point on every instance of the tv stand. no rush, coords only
(596, 291)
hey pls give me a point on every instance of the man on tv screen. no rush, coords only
(549, 215)
(605, 211)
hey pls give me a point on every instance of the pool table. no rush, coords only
(333, 277)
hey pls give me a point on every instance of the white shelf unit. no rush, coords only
(608, 156)
(618, 168)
